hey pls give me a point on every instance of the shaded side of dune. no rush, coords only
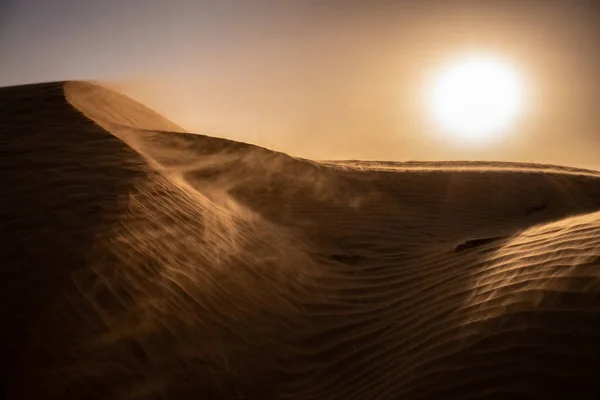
(57, 195)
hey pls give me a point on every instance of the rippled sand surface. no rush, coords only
(140, 261)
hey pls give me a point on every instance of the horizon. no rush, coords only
(324, 81)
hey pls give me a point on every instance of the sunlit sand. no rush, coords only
(144, 262)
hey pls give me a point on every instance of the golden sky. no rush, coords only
(322, 79)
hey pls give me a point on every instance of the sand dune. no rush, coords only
(143, 262)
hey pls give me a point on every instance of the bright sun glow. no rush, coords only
(476, 97)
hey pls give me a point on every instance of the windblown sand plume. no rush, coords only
(143, 262)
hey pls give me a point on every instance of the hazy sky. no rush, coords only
(321, 79)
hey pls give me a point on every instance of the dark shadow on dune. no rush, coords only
(347, 259)
(470, 244)
(56, 198)
(535, 209)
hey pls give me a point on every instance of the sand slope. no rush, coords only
(141, 264)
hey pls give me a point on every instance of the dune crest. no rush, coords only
(144, 262)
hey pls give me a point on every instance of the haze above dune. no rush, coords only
(322, 80)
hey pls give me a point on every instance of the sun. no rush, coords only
(476, 97)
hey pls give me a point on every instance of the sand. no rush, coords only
(144, 262)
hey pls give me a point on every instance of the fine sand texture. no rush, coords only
(143, 262)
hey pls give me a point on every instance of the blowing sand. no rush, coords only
(144, 262)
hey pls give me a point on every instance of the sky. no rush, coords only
(322, 79)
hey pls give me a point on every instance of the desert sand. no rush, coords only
(144, 262)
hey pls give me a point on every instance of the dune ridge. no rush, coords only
(144, 262)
